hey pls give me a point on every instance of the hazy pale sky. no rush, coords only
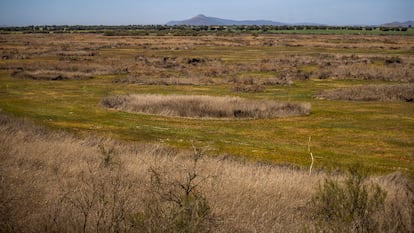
(125, 12)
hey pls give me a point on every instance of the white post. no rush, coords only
(310, 152)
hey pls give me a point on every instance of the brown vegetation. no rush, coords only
(205, 106)
(50, 75)
(172, 61)
(55, 182)
(396, 92)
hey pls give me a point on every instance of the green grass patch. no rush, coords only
(377, 134)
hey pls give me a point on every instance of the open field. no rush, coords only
(60, 80)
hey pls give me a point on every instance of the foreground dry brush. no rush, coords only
(56, 182)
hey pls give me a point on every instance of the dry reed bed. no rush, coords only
(51, 75)
(205, 106)
(396, 92)
(55, 182)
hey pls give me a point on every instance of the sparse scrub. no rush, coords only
(176, 202)
(397, 92)
(349, 206)
(55, 182)
(249, 88)
(205, 106)
(399, 205)
(50, 75)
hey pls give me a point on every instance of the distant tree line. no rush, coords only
(182, 29)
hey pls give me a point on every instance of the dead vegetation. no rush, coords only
(55, 182)
(168, 60)
(205, 106)
(396, 92)
(50, 75)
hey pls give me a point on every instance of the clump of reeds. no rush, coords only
(205, 106)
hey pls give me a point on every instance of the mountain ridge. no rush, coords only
(399, 24)
(202, 20)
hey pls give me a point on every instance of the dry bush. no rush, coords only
(175, 200)
(249, 88)
(205, 106)
(396, 92)
(188, 78)
(50, 75)
(55, 182)
(167, 80)
(368, 72)
(399, 205)
(348, 206)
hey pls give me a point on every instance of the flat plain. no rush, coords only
(209, 133)
(60, 81)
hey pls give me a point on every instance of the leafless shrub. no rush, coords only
(175, 201)
(205, 106)
(100, 198)
(396, 92)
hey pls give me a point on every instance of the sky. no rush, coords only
(128, 12)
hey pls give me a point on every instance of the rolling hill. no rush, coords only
(399, 24)
(202, 20)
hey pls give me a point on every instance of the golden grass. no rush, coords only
(51, 180)
(205, 106)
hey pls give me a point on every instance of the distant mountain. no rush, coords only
(399, 24)
(202, 20)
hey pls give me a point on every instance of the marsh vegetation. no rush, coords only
(108, 133)
(205, 106)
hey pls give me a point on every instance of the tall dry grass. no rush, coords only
(51, 75)
(56, 182)
(205, 106)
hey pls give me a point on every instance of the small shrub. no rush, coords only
(175, 202)
(393, 60)
(349, 206)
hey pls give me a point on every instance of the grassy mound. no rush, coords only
(205, 106)
(397, 92)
